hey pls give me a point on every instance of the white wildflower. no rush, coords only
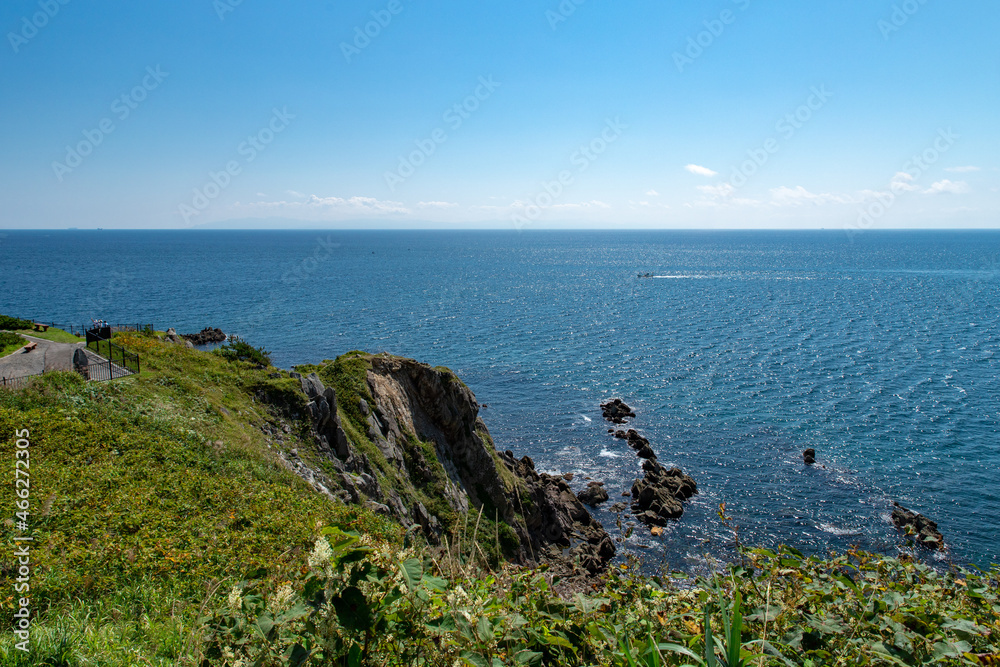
(321, 553)
(236, 599)
(227, 654)
(282, 598)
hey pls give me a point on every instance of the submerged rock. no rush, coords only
(923, 529)
(616, 411)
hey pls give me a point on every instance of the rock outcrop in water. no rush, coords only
(206, 336)
(923, 529)
(407, 439)
(640, 444)
(659, 495)
(616, 411)
(594, 494)
(809, 456)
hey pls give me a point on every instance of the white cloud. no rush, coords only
(721, 190)
(293, 193)
(786, 196)
(902, 182)
(701, 171)
(652, 193)
(332, 206)
(436, 204)
(962, 170)
(948, 187)
(593, 203)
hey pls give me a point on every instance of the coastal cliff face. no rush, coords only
(407, 440)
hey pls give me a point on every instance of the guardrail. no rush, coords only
(127, 362)
(18, 382)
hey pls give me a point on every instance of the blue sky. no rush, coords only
(581, 113)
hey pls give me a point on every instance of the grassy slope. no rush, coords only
(53, 334)
(138, 521)
(8, 344)
(132, 492)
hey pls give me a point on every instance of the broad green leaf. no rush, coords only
(352, 609)
(484, 629)
(354, 656)
(412, 570)
(964, 626)
(474, 659)
(435, 583)
(588, 605)
(296, 656)
(830, 626)
(530, 658)
(558, 640)
(299, 610)
(265, 623)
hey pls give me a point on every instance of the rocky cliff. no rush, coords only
(407, 440)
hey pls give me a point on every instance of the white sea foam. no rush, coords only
(609, 455)
(836, 530)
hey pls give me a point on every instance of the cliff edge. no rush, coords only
(407, 440)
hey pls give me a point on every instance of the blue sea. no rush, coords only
(742, 350)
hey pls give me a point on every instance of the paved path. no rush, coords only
(48, 356)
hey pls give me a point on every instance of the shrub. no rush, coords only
(14, 323)
(11, 339)
(237, 349)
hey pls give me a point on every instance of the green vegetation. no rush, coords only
(17, 325)
(53, 334)
(13, 323)
(237, 349)
(364, 604)
(10, 342)
(168, 533)
(147, 492)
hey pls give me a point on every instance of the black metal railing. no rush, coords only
(81, 331)
(99, 342)
(101, 371)
(112, 328)
(18, 382)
